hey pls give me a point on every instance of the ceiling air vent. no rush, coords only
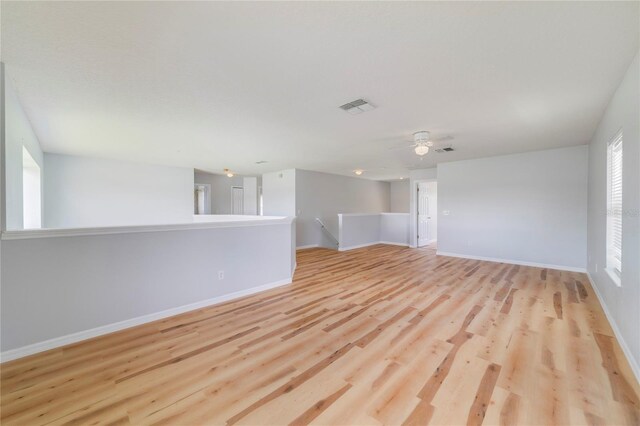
(447, 149)
(357, 107)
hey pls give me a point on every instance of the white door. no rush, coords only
(423, 215)
(237, 200)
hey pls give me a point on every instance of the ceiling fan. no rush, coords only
(359, 171)
(422, 141)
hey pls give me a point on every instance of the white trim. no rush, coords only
(74, 232)
(614, 277)
(359, 214)
(427, 243)
(307, 246)
(393, 243)
(371, 244)
(357, 246)
(110, 328)
(627, 352)
(513, 262)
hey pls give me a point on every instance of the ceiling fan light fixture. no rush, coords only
(228, 172)
(421, 137)
(358, 171)
(421, 149)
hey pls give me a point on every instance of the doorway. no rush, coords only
(427, 225)
(202, 198)
(237, 200)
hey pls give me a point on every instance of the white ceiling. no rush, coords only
(216, 85)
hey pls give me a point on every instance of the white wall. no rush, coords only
(529, 207)
(250, 202)
(400, 196)
(622, 303)
(131, 276)
(18, 133)
(279, 193)
(324, 195)
(91, 192)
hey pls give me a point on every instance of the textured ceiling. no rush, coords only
(216, 85)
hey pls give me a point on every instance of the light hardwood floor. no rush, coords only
(381, 335)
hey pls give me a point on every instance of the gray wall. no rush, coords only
(358, 230)
(324, 195)
(623, 303)
(220, 189)
(529, 207)
(400, 196)
(92, 192)
(18, 133)
(394, 228)
(118, 277)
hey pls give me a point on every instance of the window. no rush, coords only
(31, 192)
(614, 207)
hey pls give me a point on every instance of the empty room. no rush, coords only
(327, 213)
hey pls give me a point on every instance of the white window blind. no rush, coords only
(614, 204)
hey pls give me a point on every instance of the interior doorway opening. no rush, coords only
(427, 213)
(237, 200)
(202, 198)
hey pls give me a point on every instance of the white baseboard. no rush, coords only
(513, 262)
(110, 328)
(307, 246)
(392, 243)
(627, 352)
(371, 244)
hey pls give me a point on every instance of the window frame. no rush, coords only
(615, 159)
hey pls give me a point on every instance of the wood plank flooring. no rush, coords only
(380, 335)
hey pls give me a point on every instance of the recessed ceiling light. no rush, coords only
(358, 171)
(357, 107)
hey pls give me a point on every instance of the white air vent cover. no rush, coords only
(357, 107)
(445, 149)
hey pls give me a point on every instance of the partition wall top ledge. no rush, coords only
(224, 221)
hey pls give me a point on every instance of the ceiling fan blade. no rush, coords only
(401, 147)
(442, 138)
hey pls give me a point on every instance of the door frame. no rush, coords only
(418, 216)
(413, 210)
(207, 197)
(231, 207)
